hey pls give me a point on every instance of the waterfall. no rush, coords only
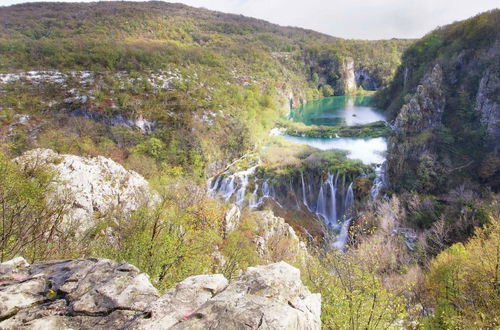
(379, 181)
(265, 189)
(213, 184)
(304, 190)
(254, 199)
(228, 185)
(227, 188)
(321, 204)
(333, 200)
(240, 194)
(341, 238)
(349, 200)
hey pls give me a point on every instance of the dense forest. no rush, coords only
(183, 95)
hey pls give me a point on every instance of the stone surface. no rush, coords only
(64, 294)
(232, 219)
(266, 297)
(273, 230)
(488, 104)
(181, 301)
(413, 128)
(366, 80)
(103, 294)
(91, 185)
(348, 77)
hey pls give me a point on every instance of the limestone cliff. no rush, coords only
(90, 186)
(411, 144)
(445, 106)
(348, 78)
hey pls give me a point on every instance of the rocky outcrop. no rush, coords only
(231, 219)
(365, 79)
(91, 186)
(488, 104)
(348, 78)
(447, 124)
(78, 294)
(102, 294)
(411, 143)
(273, 230)
(425, 109)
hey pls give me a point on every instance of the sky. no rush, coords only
(356, 19)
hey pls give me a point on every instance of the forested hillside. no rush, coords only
(457, 135)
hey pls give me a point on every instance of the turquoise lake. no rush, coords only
(337, 110)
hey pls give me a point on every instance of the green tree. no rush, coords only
(30, 224)
(464, 280)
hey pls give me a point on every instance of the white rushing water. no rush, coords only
(369, 151)
(330, 201)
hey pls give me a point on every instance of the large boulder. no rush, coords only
(78, 294)
(103, 294)
(266, 297)
(96, 185)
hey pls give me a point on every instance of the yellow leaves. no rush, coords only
(463, 280)
(51, 294)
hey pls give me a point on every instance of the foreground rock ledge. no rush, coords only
(103, 294)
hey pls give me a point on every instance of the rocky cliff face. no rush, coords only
(348, 77)
(365, 79)
(90, 186)
(488, 103)
(446, 109)
(100, 294)
(411, 144)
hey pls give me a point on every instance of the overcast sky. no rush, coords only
(360, 19)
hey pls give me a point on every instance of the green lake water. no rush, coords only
(337, 110)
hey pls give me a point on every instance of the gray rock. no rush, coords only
(232, 219)
(410, 144)
(348, 78)
(272, 229)
(366, 80)
(266, 297)
(181, 301)
(103, 294)
(91, 185)
(488, 104)
(79, 293)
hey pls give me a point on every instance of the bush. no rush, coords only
(29, 223)
(463, 283)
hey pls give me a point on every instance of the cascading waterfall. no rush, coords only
(226, 186)
(349, 200)
(321, 205)
(331, 199)
(304, 200)
(379, 181)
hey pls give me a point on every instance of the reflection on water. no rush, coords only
(337, 110)
(367, 150)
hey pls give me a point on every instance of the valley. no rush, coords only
(274, 177)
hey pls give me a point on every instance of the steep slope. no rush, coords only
(446, 106)
(135, 36)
